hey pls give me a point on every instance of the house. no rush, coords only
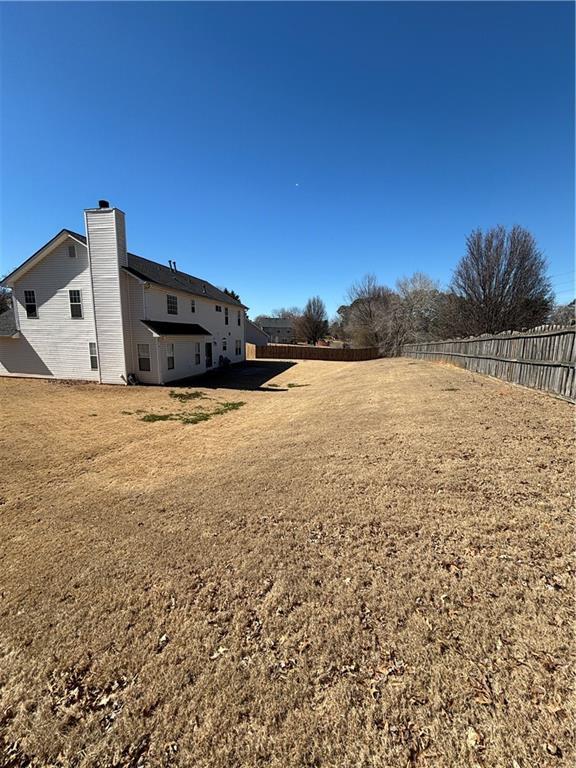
(254, 334)
(279, 329)
(85, 308)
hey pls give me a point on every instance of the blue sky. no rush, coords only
(285, 149)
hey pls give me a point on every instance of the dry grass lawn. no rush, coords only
(374, 569)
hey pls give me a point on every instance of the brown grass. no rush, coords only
(371, 570)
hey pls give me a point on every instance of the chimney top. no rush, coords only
(103, 204)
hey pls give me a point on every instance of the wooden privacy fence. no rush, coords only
(542, 358)
(297, 352)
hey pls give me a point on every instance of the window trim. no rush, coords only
(76, 303)
(224, 345)
(168, 297)
(170, 357)
(238, 346)
(28, 303)
(142, 357)
(218, 307)
(226, 316)
(72, 251)
(197, 353)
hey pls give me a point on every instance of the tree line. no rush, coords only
(500, 284)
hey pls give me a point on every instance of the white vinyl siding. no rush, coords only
(107, 248)
(52, 345)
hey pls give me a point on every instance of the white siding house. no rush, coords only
(85, 308)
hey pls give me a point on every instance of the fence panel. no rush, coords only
(297, 352)
(543, 358)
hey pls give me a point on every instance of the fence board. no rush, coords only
(542, 358)
(298, 352)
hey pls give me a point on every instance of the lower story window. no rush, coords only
(224, 345)
(197, 353)
(170, 356)
(143, 357)
(93, 356)
(238, 347)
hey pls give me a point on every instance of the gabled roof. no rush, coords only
(144, 269)
(164, 328)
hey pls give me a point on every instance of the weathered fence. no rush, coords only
(542, 358)
(301, 352)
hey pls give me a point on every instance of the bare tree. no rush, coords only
(312, 325)
(287, 312)
(501, 282)
(564, 314)
(362, 318)
(5, 298)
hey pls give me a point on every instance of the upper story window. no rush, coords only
(75, 304)
(30, 303)
(72, 251)
(170, 356)
(218, 308)
(192, 305)
(239, 318)
(225, 315)
(171, 304)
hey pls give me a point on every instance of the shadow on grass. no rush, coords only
(253, 375)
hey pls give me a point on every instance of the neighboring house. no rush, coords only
(85, 308)
(254, 334)
(279, 329)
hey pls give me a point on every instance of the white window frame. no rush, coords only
(170, 355)
(92, 349)
(170, 296)
(31, 315)
(76, 304)
(144, 354)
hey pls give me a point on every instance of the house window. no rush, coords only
(197, 353)
(224, 345)
(30, 302)
(239, 318)
(192, 305)
(225, 315)
(170, 356)
(171, 304)
(72, 251)
(93, 356)
(75, 303)
(238, 347)
(143, 357)
(218, 308)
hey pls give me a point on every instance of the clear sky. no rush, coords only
(285, 149)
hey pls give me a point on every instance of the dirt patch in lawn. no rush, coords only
(372, 568)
